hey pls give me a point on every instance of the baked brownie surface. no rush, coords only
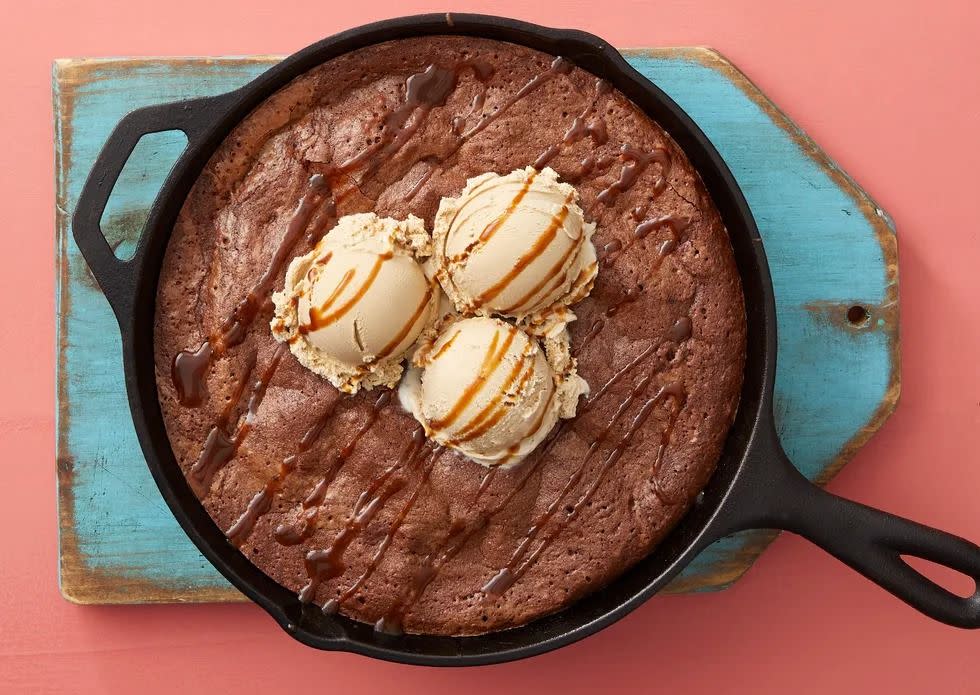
(339, 497)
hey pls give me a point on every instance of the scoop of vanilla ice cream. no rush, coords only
(514, 245)
(354, 305)
(487, 389)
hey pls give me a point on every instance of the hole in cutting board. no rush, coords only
(858, 315)
(952, 580)
(138, 184)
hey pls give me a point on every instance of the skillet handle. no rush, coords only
(772, 493)
(118, 278)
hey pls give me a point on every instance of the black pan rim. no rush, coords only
(306, 623)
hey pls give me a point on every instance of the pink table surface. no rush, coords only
(891, 93)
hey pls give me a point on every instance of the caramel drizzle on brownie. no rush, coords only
(189, 368)
(326, 564)
(522, 560)
(221, 447)
(261, 503)
(461, 530)
(309, 512)
(559, 66)
(580, 127)
(423, 92)
(676, 226)
(333, 605)
(636, 163)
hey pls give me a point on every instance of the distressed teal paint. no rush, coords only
(822, 248)
(122, 526)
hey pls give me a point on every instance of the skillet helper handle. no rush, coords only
(117, 278)
(776, 495)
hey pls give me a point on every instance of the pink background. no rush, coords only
(891, 93)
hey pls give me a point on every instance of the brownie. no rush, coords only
(339, 497)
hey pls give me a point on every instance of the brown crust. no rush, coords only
(232, 223)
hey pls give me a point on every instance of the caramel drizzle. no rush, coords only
(496, 408)
(493, 226)
(261, 503)
(324, 565)
(318, 313)
(680, 397)
(491, 361)
(190, 367)
(459, 121)
(636, 162)
(676, 226)
(617, 376)
(423, 92)
(573, 481)
(443, 348)
(321, 317)
(407, 327)
(518, 564)
(528, 257)
(319, 263)
(462, 530)
(417, 186)
(501, 409)
(485, 482)
(580, 128)
(333, 605)
(483, 72)
(610, 248)
(590, 164)
(559, 66)
(554, 276)
(220, 447)
(303, 528)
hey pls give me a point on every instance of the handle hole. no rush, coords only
(136, 188)
(953, 581)
(858, 315)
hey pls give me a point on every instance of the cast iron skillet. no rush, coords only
(755, 485)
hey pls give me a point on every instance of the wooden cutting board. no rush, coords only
(832, 251)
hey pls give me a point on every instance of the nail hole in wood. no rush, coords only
(857, 315)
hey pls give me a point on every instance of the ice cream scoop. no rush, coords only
(514, 245)
(487, 389)
(353, 306)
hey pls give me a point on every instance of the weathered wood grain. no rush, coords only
(830, 247)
